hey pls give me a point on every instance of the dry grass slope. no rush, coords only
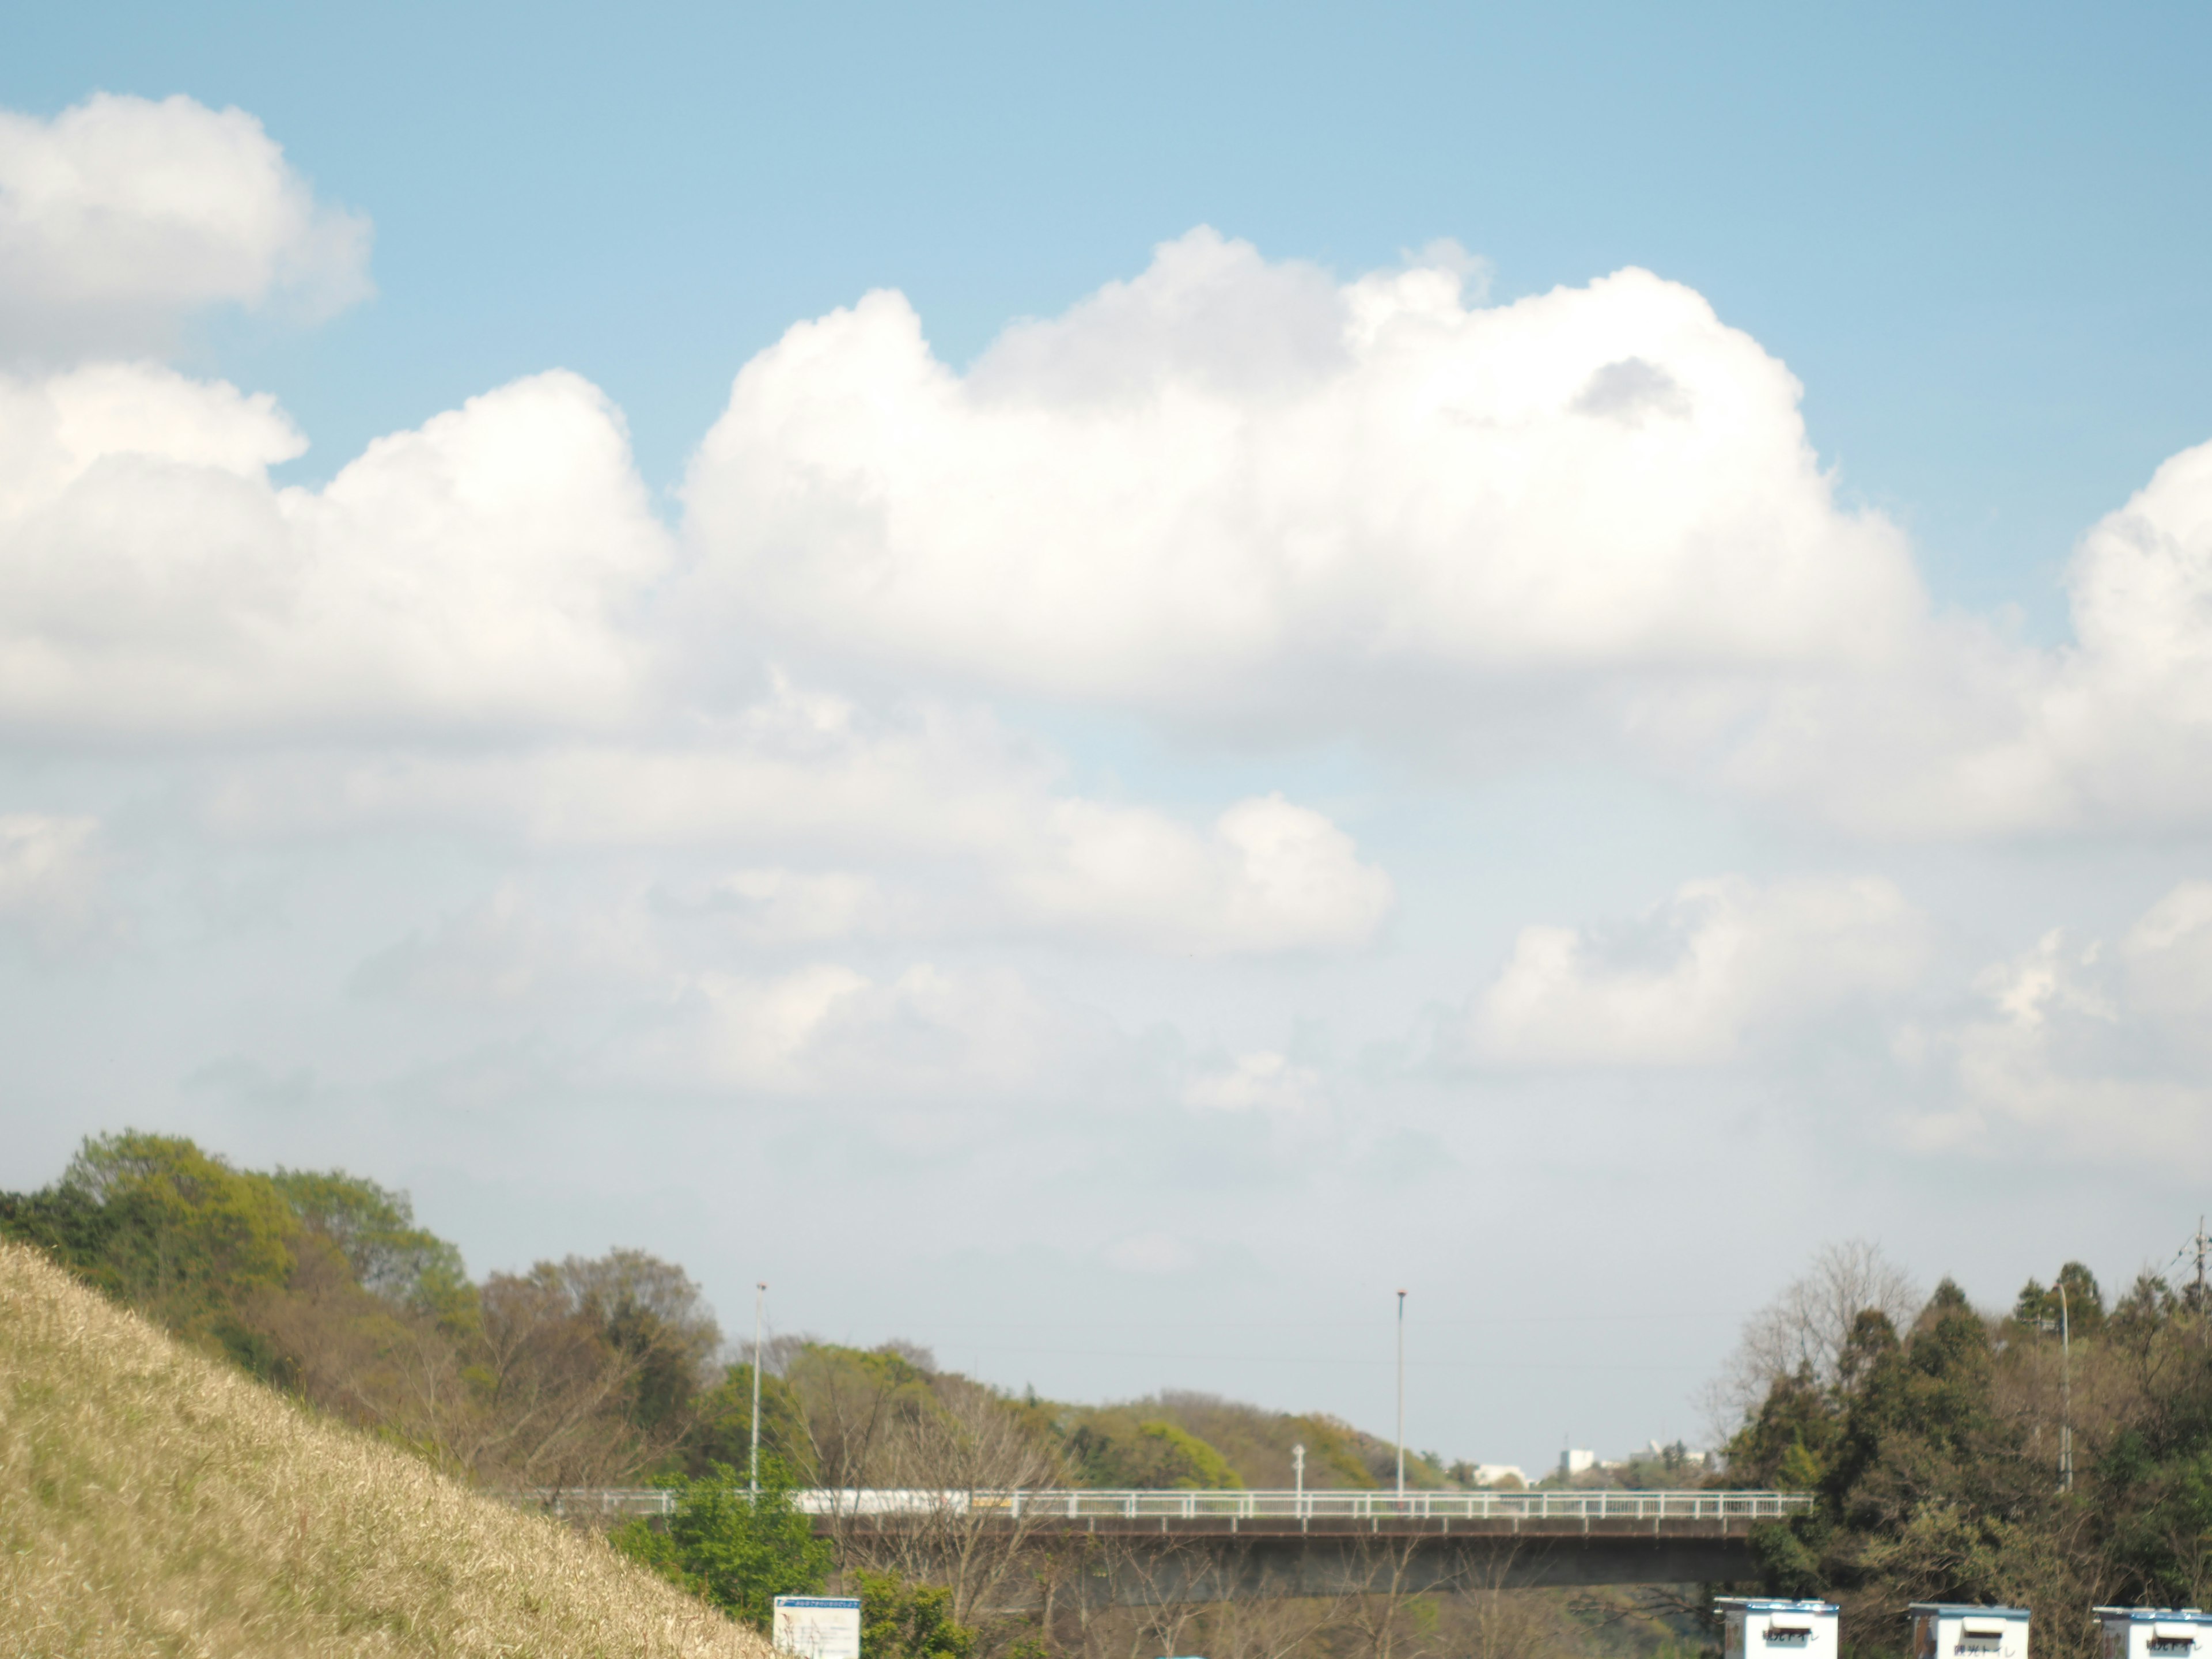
(153, 1501)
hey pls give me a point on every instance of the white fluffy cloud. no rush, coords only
(1966, 733)
(1724, 966)
(2082, 1048)
(1230, 487)
(476, 574)
(1233, 490)
(121, 216)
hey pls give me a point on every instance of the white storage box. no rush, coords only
(1762, 1629)
(2156, 1632)
(1950, 1630)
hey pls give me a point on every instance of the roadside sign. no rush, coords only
(817, 1627)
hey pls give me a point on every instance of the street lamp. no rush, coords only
(1401, 1393)
(760, 1302)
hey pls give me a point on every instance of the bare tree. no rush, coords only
(968, 1451)
(1384, 1610)
(1804, 1329)
(552, 1390)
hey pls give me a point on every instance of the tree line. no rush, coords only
(1933, 1434)
(611, 1371)
(2055, 1456)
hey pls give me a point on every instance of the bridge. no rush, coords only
(1156, 1547)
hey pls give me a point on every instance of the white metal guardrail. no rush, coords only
(1083, 1504)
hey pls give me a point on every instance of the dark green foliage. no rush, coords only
(722, 1426)
(737, 1549)
(900, 1620)
(1936, 1459)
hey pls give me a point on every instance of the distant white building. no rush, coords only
(1496, 1474)
(1577, 1461)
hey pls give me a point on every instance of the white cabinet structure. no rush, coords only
(1762, 1629)
(2156, 1632)
(1949, 1629)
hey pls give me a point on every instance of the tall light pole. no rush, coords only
(1298, 1475)
(1401, 1393)
(2066, 1395)
(760, 1304)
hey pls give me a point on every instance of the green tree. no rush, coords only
(181, 1234)
(734, 1549)
(1111, 1447)
(723, 1432)
(900, 1621)
(2073, 1298)
(374, 1228)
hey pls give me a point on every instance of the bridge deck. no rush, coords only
(1254, 1514)
(1157, 1547)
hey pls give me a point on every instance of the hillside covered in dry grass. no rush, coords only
(155, 1500)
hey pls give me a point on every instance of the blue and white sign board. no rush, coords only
(1950, 1630)
(817, 1627)
(2156, 1632)
(1758, 1628)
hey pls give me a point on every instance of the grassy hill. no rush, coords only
(155, 1501)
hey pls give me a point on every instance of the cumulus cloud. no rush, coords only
(1233, 490)
(1968, 732)
(1721, 968)
(476, 574)
(120, 217)
(2079, 1049)
(1230, 487)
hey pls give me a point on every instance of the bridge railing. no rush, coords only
(1085, 1504)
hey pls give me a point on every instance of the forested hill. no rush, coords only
(582, 1372)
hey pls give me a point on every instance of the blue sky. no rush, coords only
(1827, 847)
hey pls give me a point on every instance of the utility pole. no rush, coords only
(760, 1304)
(1401, 1393)
(2065, 1393)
